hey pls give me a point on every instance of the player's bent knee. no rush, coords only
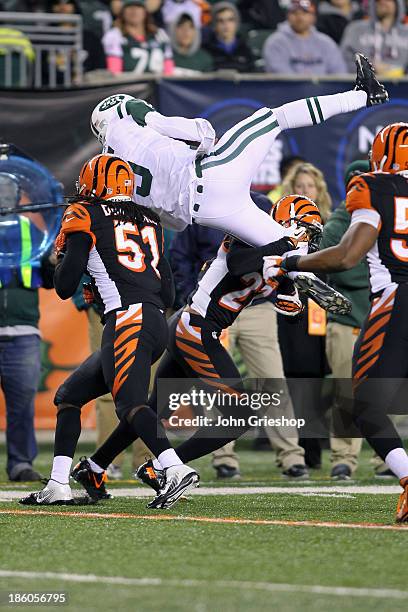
(127, 413)
(66, 406)
(62, 397)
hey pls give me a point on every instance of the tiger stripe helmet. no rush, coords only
(106, 177)
(299, 211)
(389, 152)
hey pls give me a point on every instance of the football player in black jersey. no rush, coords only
(120, 244)
(229, 284)
(378, 204)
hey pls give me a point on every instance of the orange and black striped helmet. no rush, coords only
(389, 152)
(106, 177)
(298, 210)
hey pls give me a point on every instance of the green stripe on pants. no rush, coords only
(238, 133)
(240, 148)
(311, 111)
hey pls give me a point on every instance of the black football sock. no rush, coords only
(118, 441)
(67, 431)
(146, 426)
(201, 444)
(377, 428)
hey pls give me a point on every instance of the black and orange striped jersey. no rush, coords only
(381, 200)
(124, 259)
(220, 294)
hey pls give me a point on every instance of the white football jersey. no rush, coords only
(163, 164)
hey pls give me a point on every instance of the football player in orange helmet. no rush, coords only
(120, 245)
(378, 204)
(389, 152)
(299, 212)
(106, 177)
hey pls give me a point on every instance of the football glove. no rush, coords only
(287, 302)
(59, 244)
(88, 294)
(272, 271)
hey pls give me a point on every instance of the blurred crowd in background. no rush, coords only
(187, 37)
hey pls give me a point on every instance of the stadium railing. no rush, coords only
(54, 38)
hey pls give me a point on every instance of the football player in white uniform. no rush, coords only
(186, 176)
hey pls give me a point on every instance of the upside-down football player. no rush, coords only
(120, 244)
(186, 176)
(194, 348)
(378, 203)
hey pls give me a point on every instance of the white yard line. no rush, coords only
(222, 584)
(142, 492)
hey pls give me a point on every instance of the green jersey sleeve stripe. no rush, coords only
(319, 109)
(311, 111)
(118, 108)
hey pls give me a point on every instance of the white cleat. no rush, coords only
(179, 479)
(53, 494)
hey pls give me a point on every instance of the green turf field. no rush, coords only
(195, 558)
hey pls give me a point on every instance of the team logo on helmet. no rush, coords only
(106, 177)
(389, 152)
(112, 101)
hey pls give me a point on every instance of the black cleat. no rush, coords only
(227, 472)
(147, 474)
(368, 82)
(93, 483)
(341, 471)
(325, 296)
(296, 472)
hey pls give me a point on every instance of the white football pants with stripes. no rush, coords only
(221, 191)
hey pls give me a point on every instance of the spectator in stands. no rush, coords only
(285, 166)
(303, 344)
(186, 42)
(173, 9)
(226, 46)
(383, 38)
(262, 14)
(17, 45)
(137, 45)
(298, 48)
(93, 52)
(96, 16)
(334, 15)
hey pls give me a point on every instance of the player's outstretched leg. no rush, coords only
(84, 384)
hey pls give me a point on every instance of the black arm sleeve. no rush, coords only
(69, 271)
(168, 291)
(243, 258)
(47, 271)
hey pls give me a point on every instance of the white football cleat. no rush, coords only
(53, 494)
(179, 479)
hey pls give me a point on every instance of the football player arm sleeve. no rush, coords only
(242, 258)
(69, 270)
(354, 245)
(168, 291)
(198, 131)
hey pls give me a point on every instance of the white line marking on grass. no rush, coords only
(204, 519)
(229, 584)
(142, 492)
